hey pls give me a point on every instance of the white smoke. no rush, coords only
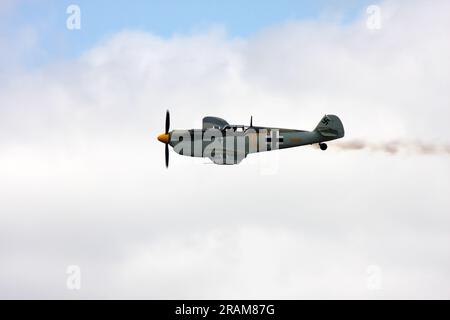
(395, 147)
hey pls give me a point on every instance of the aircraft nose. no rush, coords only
(164, 138)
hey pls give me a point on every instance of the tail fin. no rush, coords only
(330, 127)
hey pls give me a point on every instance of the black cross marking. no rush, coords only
(274, 140)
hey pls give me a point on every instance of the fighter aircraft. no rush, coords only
(227, 144)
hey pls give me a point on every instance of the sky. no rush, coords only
(82, 179)
(102, 19)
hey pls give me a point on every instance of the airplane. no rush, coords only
(226, 144)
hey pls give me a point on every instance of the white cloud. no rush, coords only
(83, 180)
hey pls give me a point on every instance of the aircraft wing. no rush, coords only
(232, 156)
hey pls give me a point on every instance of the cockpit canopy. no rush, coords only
(221, 124)
(214, 123)
(235, 128)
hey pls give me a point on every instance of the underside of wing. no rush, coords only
(227, 157)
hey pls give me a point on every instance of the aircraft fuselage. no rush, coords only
(230, 144)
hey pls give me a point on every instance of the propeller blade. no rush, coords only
(167, 156)
(167, 121)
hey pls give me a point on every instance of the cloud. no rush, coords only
(83, 178)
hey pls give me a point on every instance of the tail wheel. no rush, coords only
(323, 146)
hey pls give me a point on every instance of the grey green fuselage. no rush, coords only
(230, 144)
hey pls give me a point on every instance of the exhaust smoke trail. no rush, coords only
(394, 147)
